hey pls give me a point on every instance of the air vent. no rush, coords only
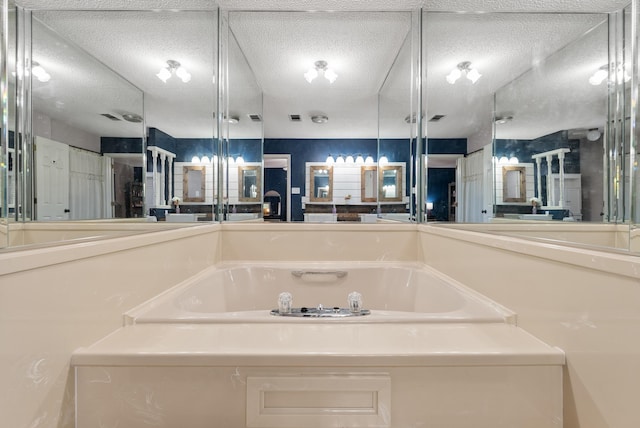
(255, 117)
(436, 118)
(109, 116)
(295, 118)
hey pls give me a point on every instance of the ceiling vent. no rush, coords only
(109, 116)
(295, 118)
(436, 117)
(255, 117)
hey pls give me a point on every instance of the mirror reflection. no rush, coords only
(193, 184)
(390, 184)
(249, 178)
(369, 183)
(321, 183)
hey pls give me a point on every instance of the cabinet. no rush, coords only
(452, 205)
(134, 199)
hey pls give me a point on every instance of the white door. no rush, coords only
(52, 180)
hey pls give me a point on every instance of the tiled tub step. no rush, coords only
(321, 375)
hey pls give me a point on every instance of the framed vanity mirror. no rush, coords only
(250, 184)
(514, 188)
(390, 183)
(369, 183)
(193, 182)
(321, 183)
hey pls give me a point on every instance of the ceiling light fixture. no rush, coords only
(500, 120)
(320, 67)
(173, 67)
(132, 117)
(319, 118)
(602, 74)
(593, 134)
(464, 68)
(39, 72)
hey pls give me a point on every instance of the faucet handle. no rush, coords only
(355, 301)
(285, 301)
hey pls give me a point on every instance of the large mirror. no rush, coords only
(89, 114)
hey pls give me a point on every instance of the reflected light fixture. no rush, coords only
(593, 134)
(383, 160)
(320, 67)
(330, 160)
(39, 72)
(464, 68)
(359, 159)
(350, 160)
(340, 159)
(602, 74)
(599, 76)
(369, 160)
(173, 67)
(239, 160)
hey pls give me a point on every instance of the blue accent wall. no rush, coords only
(445, 146)
(524, 149)
(120, 145)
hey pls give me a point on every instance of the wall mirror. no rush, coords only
(321, 183)
(369, 183)
(514, 184)
(193, 185)
(250, 180)
(390, 183)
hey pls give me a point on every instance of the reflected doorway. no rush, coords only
(277, 178)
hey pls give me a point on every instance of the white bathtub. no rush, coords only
(248, 292)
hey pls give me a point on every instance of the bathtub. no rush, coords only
(248, 292)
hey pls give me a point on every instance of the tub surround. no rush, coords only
(570, 298)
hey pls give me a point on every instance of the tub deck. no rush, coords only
(318, 344)
(319, 375)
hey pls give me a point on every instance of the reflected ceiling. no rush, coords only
(280, 47)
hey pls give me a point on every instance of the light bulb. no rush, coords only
(369, 160)
(513, 160)
(311, 74)
(330, 75)
(195, 159)
(349, 160)
(239, 160)
(183, 74)
(205, 159)
(360, 160)
(164, 74)
(454, 75)
(598, 77)
(340, 159)
(383, 160)
(330, 160)
(473, 75)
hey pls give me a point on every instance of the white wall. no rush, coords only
(44, 126)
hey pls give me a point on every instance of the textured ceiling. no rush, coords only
(277, 47)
